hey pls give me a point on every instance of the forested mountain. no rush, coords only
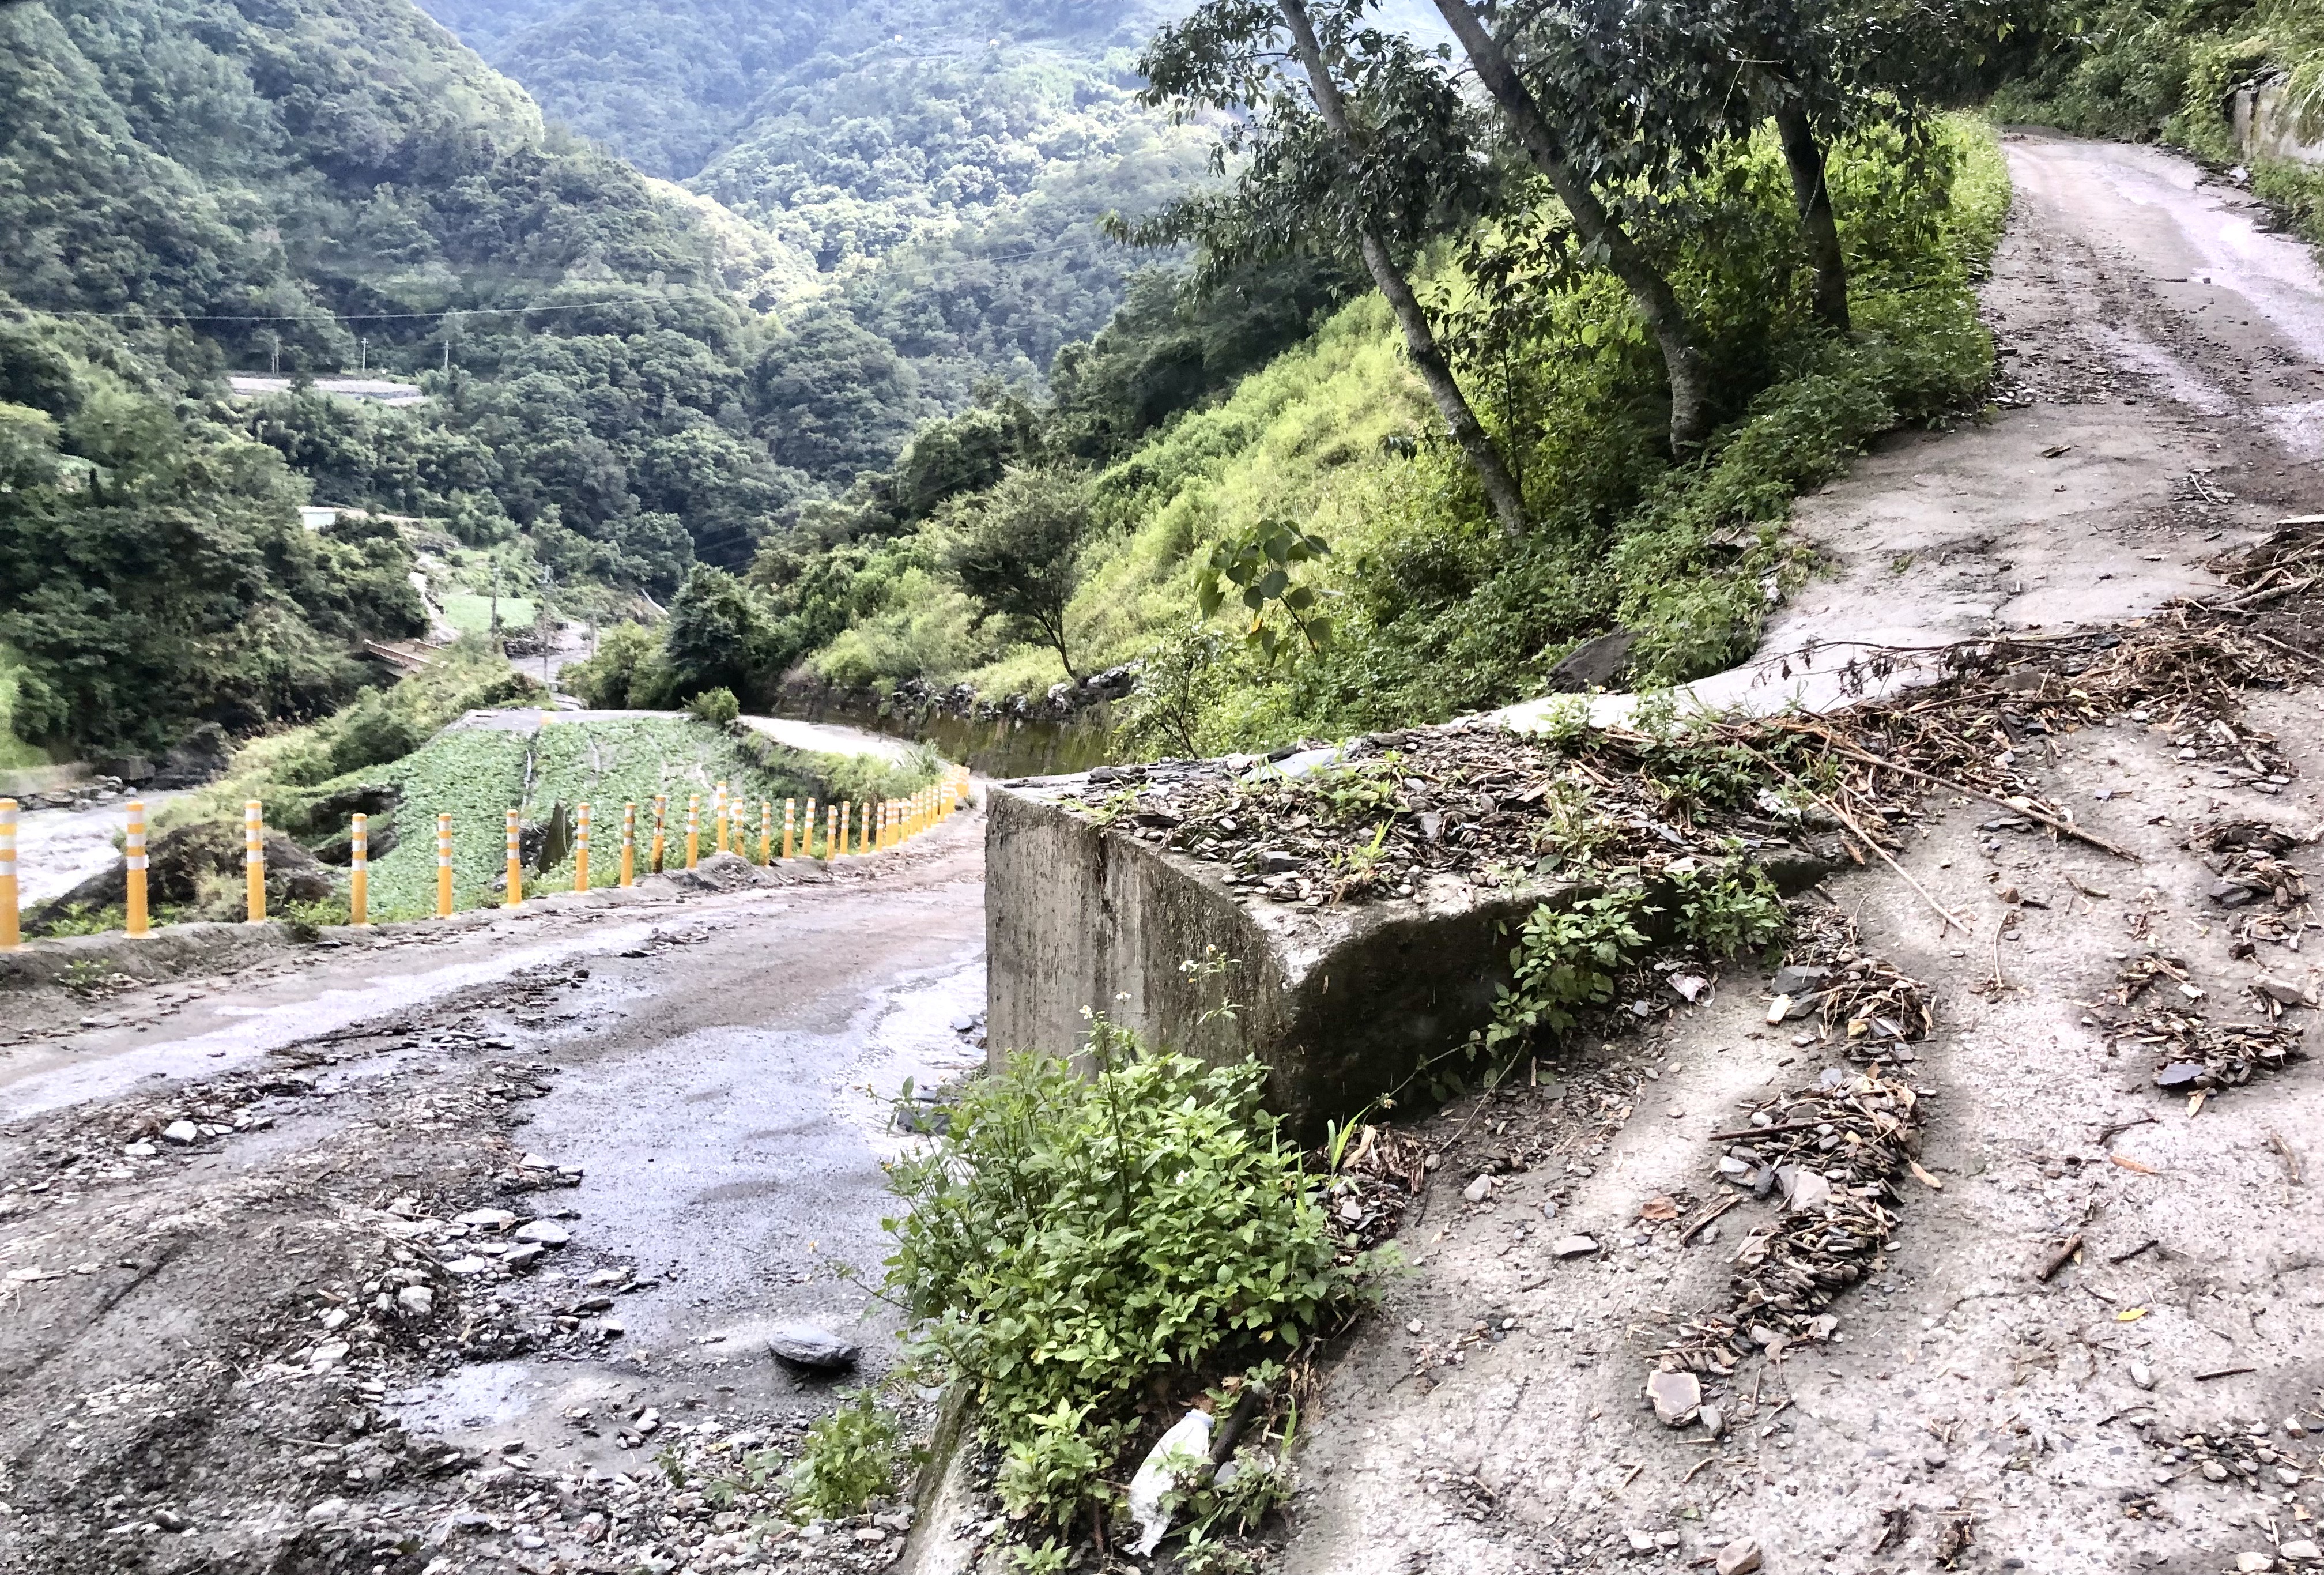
(942, 166)
(628, 374)
(1629, 277)
(671, 85)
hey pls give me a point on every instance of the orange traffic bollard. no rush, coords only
(515, 896)
(693, 830)
(359, 870)
(718, 815)
(662, 815)
(765, 831)
(8, 934)
(790, 824)
(629, 845)
(254, 860)
(132, 860)
(443, 866)
(581, 848)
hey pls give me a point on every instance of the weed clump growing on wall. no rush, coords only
(1091, 1252)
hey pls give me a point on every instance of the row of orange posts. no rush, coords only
(825, 831)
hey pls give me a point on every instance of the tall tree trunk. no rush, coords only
(1675, 332)
(1803, 153)
(1501, 490)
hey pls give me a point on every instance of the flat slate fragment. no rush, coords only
(812, 1347)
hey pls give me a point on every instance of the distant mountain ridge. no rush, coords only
(942, 166)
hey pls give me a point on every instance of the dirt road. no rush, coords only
(264, 1341)
(2163, 388)
(2166, 358)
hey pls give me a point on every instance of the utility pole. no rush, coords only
(496, 598)
(363, 354)
(547, 624)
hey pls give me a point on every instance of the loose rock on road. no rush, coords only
(379, 1257)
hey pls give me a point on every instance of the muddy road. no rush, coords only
(2160, 399)
(463, 1250)
(2152, 1399)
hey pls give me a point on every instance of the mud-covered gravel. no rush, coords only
(245, 1308)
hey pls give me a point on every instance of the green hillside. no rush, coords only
(1435, 610)
(942, 168)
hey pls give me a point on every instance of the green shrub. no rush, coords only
(1061, 1460)
(1077, 1247)
(1727, 909)
(849, 1459)
(717, 707)
(372, 732)
(1566, 958)
(1570, 957)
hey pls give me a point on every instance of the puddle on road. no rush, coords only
(916, 1039)
(731, 1167)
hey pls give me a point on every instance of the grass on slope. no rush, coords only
(397, 738)
(477, 775)
(1437, 612)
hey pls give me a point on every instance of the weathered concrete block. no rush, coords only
(1339, 1002)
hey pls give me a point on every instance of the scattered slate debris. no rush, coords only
(1383, 815)
(1835, 1152)
(1875, 1009)
(1377, 1181)
(2256, 1457)
(2249, 858)
(2197, 1057)
(2192, 1055)
(2141, 971)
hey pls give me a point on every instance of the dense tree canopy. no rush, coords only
(158, 572)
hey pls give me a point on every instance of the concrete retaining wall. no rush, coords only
(2265, 127)
(1339, 1002)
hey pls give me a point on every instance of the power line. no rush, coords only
(452, 313)
(369, 316)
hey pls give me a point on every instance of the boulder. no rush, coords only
(380, 838)
(198, 868)
(1598, 663)
(812, 1347)
(201, 755)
